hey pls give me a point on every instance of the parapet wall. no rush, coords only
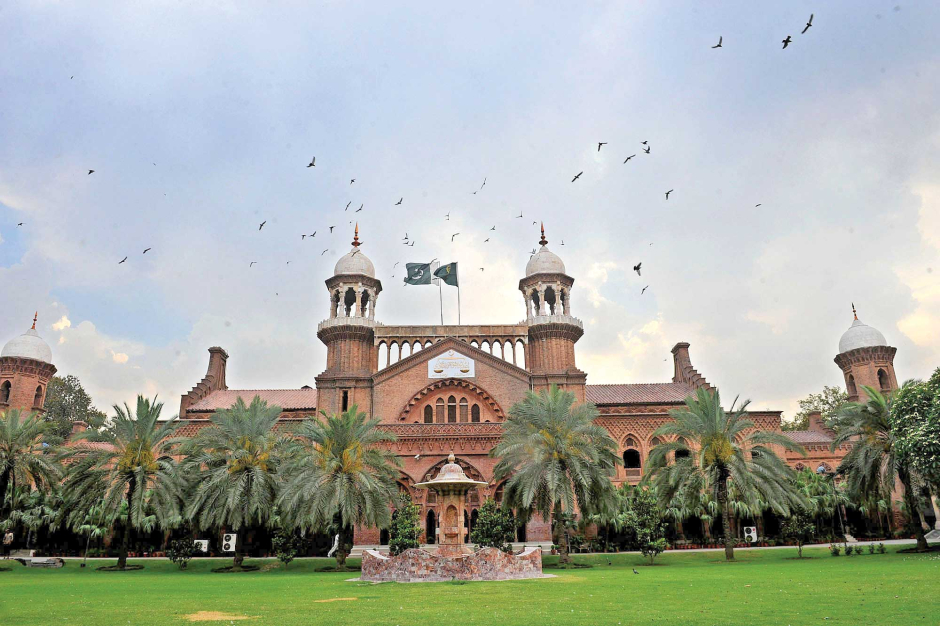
(421, 566)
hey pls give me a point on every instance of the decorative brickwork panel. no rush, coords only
(422, 566)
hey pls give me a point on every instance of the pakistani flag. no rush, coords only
(418, 273)
(448, 273)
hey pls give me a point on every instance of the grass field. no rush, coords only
(763, 587)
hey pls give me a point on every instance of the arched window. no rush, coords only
(430, 527)
(535, 302)
(365, 303)
(631, 458)
(498, 494)
(37, 399)
(850, 385)
(653, 443)
(473, 497)
(473, 519)
(475, 413)
(799, 467)
(883, 380)
(428, 415)
(682, 454)
(466, 527)
(349, 302)
(520, 354)
(440, 411)
(485, 346)
(550, 300)
(463, 410)
(5, 392)
(383, 355)
(452, 410)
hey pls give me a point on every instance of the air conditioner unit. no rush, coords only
(202, 545)
(228, 542)
(750, 534)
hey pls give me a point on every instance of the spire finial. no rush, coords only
(35, 317)
(355, 242)
(854, 313)
(543, 241)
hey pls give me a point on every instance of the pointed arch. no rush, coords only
(458, 384)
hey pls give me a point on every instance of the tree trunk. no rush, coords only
(239, 551)
(563, 547)
(912, 510)
(128, 527)
(4, 485)
(341, 550)
(725, 516)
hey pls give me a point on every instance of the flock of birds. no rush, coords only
(407, 241)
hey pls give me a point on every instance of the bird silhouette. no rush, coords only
(577, 176)
(719, 43)
(647, 149)
(642, 291)
(396, 264)
(533, 252)
(313, 162)
(481, 269)
(412, 244)
(252, 263)
(90, 172)
(352, 180)
(562, 242)
(786, 42)
(302, 237)
(452, 237)
(399, 201)
(146, 251)
(331, 228)
(360, 207)
(347, 205)
(494, 227)
(447, 217)
(20, 224)
(636, 268)
(628, 158)
(122, 260)
(417, 457)
(314, 234)
(261, 225)
(634, 571)
(599, 144)
(809, 24)
(644, 142)
(484, 183)
(756, 205)
(669, 192)
(324, 252)
(534, 223)
(520, 215)
(486, 240)
(405, 238)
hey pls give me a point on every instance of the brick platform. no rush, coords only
(421, 566)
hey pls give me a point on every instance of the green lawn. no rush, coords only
(763, 587)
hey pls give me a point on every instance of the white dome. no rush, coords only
(860, 335)
(544, 262)
(28, 346)
(354, 262)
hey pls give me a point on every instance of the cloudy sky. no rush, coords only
(199, 118)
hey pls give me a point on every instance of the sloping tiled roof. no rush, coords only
(808, 436)
(641, 393)
(287, 399)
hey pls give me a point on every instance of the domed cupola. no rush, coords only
(29, 345)
(866, 360)
(354, 262)
(544, 261)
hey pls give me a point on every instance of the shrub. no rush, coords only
(835, 550)
(871, 548)
(406, 528)
(494, 528)
(858, 550)
(181, 551)
(652, 549)
(881, 548)
(286, 546)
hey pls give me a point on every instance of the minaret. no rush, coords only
(865, 359)
(553, 331)
(25, 371)
(348, 333)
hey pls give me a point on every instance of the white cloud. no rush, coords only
(63, 322)
(118, 357)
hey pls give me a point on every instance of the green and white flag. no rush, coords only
(418, 273)
(448, 273)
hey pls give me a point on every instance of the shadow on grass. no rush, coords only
(231, 569)
(115, 568)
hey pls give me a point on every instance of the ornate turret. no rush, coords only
(553, 331)
(25, 371)
(348, 333)
(865, 359)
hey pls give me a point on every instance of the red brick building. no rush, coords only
(443, 389)
(25, 370)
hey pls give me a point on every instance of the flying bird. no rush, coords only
(647, 149)
(481, 269)
(122, 260)
(20, 224)
(644, 142)
(562, 242)
(314, 234)
(486, 240)
(808, 24)
(719, 43)
(642, 291)
(90, 172)
(484, 183)
(252, 263)
(146, 251)
(628, 158)
(352, 180)
(599, 144)
(324, 252)
(331, 228)
(520, 215)
(636, 268)
(577, 176)
(302, 237)
(494, 227)
(669, 192)
(405, 238)
(360, 207)
(756, 205)
(534, 223)
(452, 237)
(447, 217)
(399, 201)
(412, 244)
(533, 252)
(313, 162)
(261, 225)
(347, 205)
(396, 264)
(786, 42)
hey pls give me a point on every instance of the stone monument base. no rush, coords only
(421, 566)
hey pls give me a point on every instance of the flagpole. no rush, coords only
(440, 293)
(457, 272)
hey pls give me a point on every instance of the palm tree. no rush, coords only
(341, 475)
(557, 460)
(26, 456)
(235, 463)
(873, 464)
(717, 449)
(128, 464)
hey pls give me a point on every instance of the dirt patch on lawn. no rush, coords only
(216, 616)
(336, 599)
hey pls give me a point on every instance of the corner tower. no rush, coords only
(553, 331)
(25, 371)
(348, 333)
(865, 359)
